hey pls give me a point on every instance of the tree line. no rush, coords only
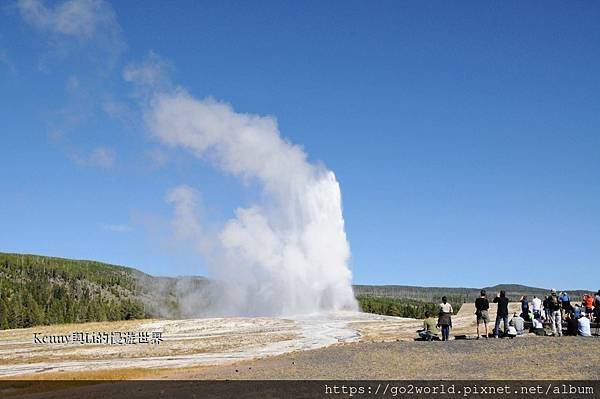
(36, 290)
(403, 307)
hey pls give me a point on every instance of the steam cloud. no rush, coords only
(287, 254)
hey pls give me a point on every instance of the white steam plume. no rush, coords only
(285, 255)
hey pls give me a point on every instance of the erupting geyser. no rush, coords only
(285, 255)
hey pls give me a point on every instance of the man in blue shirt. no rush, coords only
(565, 303)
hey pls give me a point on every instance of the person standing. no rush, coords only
(565, 304)
(502, 313)
(445, 318)
(555, 315)
(588, 303)
(597, 307)
(524, 308)
(482, 305)
(536, 306)
(547, 311)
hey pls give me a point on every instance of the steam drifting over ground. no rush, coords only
(287, 254)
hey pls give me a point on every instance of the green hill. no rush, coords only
(44, 290)
(37, 290)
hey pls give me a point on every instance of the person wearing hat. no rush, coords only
(555, 317)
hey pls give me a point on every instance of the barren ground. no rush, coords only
(340, 345)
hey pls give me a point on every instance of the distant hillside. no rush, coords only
(513, 291)
(38, 290)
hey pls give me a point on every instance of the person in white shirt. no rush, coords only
(536, 306)
(511, 332)
(445, 318)
(583, 326)
(538, 327)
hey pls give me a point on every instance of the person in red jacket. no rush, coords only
(588, 303)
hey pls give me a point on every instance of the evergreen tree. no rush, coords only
(38, 290)
(102, 314)
(3, 315)
(33, 314)
(16, 313)
(55, 312)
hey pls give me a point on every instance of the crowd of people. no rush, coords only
(553, 309)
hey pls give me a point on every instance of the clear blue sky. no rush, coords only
(465, 135)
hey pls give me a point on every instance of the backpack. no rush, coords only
(554, 304)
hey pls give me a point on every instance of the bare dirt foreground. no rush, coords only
(524, 358)
(342, 345)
